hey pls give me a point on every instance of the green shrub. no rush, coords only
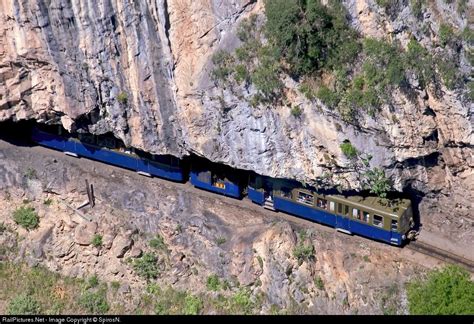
(30, 173)
(448, 291)
(420, 61)
(462, 6)
(449, 72)
(94, 302)
(26, 217)
(48, 202)
(220, 240)
(97, 240)
(377, 182)
(122, 97)
(349, 151)
(192, 305)
(296, 112)
(328, 97)
(3, 227)
(146, 266)
(307, 91)
(307, 33)
(303, 252)
(23, 305)
(417, 7)
(213, 283)
(318, 282)
(241, 73)
(92, 282)
(158, 243)
(222, 61)
(470, 89)
(446, 34)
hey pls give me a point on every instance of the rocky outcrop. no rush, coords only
(141, 71)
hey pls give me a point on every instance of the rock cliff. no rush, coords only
(141, 70)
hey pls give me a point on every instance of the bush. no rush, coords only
(318, 282)
(303, 252)
(417, 7)
(470, 89)
(146, 266)
(449, 72)
(122, 97)
(448, 291)
(192, 305)
(158, 242)
(377, 182)
(213, 283)
(26, 217)
(328, 97)
(3, 227)
(94, 302)
(308, 33)
(349, 151)
(23, 305)
(296, 112)
(220, 240)
(92, 282)
(446, 34)
(222, 61)
(97, 240)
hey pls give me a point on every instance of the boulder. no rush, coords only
(84, 233)
(121, 245)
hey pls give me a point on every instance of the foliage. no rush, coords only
(174, 302)
(307, 33)
(448, 71)
(122, 97)
(97, 240)
(470, 88)
(318, 282)
(241, 303)
(146, 266)
(23, 305)
(328, 97)
(417, 7)
(419, 60)
(213, 283)
(158, 243)
(48, 202)
(448, 291)
(94, 302)
(296, 112)
(92, 282)
(3, 227)
(222, 61)
(26, 217)
(446, 34)
(349, 151)
(377, 182)
(192, 305)
(31, 174)
(220, 240)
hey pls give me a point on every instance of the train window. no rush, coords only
(107, 142)
(332, 206)
(355, 213)
(378, 221)
(322, 203)
(286, 193)
(394, 225)
(86, 138)
(365, 216)
(305, 198)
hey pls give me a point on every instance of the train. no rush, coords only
(380, 219)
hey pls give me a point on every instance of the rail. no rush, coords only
(441, 254)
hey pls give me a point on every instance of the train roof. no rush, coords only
(393, 207)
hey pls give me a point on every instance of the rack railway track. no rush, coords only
(441, 254)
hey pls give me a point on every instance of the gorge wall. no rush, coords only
(140, 69)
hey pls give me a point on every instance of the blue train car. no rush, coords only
(107, 149)
(215, 178)
(371, 217)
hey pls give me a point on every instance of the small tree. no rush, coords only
(377, 182)
(146, 266)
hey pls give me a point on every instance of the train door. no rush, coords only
(342, 220)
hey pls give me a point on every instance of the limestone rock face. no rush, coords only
(140, 69)
(84, 233)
